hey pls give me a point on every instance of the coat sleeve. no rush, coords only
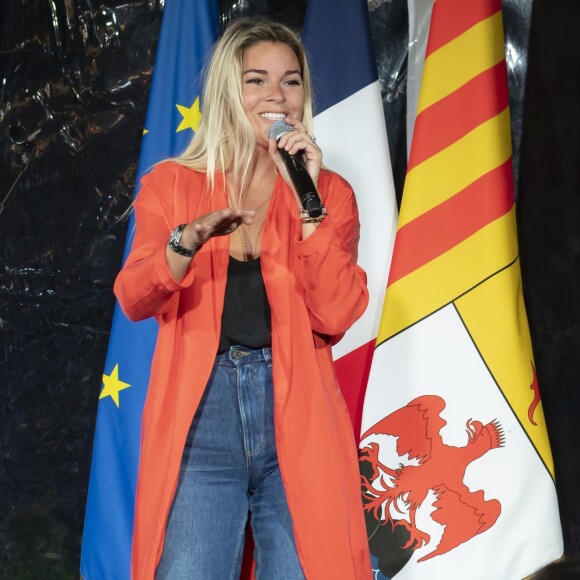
(335, 290)
(145, 286)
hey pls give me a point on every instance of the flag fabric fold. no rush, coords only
(455, 461)
(349, 125)
(188, 30)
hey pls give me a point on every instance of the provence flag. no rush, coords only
(457, 475)
(349, 125)
(188, 30)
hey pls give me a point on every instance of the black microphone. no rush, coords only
(300, 177)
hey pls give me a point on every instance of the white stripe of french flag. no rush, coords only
(349, 125)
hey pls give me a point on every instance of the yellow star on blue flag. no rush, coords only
(191, 116)
(113, 386)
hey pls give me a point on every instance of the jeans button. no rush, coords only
(237, 354)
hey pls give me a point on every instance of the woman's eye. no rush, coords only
(254, 81)
(294, 82)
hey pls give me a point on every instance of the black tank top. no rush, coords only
(246, 319)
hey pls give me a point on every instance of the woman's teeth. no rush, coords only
(273, 116)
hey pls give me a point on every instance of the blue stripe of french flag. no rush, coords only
(349, 125)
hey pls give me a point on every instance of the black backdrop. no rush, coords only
(74, 78)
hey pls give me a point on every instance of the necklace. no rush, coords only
(239, 229)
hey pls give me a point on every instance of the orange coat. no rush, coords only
(316, 292)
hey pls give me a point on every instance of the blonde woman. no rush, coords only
(244, 424)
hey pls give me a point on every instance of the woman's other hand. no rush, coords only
(218, 223)
(200, 230)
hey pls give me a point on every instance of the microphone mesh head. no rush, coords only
(278, 129)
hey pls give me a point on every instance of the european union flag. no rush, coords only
(188, 30)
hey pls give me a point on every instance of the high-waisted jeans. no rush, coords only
(229, 470)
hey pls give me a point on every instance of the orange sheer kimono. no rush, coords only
(316, 291)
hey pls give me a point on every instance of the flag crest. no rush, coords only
(455, 458)
(456, 240)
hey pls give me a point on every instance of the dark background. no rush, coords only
(74, 79)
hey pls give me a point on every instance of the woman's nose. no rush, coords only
(276, 94)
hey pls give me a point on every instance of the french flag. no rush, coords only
(349, 125)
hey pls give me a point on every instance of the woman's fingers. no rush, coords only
(225, 221)
(218, 223)
(298, 139)
(297, 142)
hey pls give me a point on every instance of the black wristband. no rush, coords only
(175, 246)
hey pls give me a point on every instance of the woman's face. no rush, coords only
(272, 87)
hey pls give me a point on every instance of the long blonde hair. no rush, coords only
(225, 140)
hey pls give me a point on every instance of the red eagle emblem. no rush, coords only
(431, 466)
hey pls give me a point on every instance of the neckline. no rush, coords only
(243, 262)
(229, 198)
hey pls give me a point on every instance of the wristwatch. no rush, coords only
(174, 244)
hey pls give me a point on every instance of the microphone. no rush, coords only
(300, 177)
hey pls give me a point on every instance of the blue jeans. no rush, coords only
(230, 469)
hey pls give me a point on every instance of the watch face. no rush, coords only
(175, 236)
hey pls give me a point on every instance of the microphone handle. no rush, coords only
(302, 183)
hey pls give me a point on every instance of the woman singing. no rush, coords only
(244, 421)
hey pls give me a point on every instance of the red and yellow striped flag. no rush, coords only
(456, 467)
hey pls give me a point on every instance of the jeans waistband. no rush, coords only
(238, 354)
